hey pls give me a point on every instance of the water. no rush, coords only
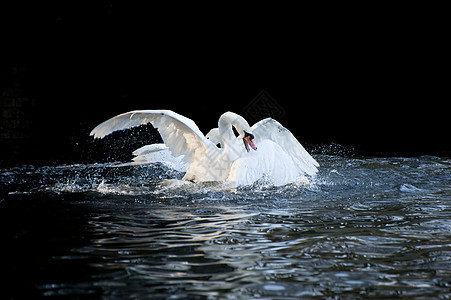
(363, 228)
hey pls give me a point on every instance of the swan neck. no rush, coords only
(225, 123)
(225, 130)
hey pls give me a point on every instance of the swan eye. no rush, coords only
(246, 134)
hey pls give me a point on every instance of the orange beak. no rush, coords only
(248, 141)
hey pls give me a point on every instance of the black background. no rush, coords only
(371, 79)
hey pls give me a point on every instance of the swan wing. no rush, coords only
(180, 134)
(158, 153)
(272, 130)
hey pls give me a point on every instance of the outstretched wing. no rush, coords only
(180, 134)
(272, 130)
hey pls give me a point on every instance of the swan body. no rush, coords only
(280, 158)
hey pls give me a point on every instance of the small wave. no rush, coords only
(120, 189)
(408, 188)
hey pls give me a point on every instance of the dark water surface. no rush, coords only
(363, 228)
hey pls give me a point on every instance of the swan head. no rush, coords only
(229, 119)
(248, 141)
(214, 137)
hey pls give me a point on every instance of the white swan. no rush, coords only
(280, 158)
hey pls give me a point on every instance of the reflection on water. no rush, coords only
(369, 227)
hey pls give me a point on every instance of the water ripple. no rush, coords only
(364, 227)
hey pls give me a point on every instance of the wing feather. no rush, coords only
(180, 134)
(271, 129)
